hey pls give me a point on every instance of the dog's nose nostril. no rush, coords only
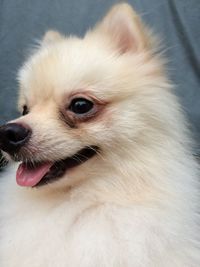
(15, 133)
(13, 136)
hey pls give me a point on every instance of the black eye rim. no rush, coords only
(85, 110)
(25, 110)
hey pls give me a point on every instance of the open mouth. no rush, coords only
(40, 173)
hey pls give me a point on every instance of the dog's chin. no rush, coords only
(36, 174)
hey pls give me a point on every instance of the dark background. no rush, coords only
(177, 22)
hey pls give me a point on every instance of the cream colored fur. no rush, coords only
(136, 203)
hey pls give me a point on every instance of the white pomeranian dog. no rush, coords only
(106, 175)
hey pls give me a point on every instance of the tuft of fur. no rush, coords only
(136, 203)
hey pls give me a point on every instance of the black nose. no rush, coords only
(13, 136)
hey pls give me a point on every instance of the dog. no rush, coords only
(103, 162)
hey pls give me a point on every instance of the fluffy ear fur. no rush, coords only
(125, 29)
(51, 37)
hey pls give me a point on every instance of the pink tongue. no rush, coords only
(26, 176)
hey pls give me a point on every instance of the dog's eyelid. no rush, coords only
(87, 96)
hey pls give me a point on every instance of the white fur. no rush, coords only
(136, 203)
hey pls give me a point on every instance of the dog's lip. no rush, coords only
(52, 171)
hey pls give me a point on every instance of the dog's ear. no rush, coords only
(125, 29)
(51, 37)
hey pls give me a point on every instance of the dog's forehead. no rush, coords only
(65, 67)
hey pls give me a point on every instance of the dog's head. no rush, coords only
(85, 103)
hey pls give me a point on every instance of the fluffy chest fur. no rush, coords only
(71, 231)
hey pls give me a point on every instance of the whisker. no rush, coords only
(97, 152)
(3, 161)
(78, 159)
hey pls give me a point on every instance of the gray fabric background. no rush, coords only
(176, 21)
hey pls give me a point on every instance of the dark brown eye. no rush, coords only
(80, 106)
(25, 110)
